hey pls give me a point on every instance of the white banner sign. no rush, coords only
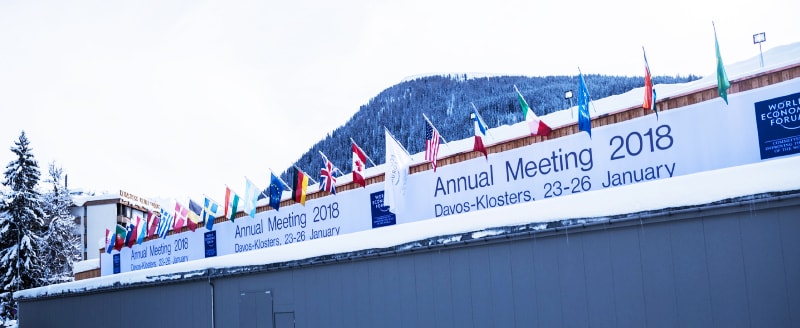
(757, 125)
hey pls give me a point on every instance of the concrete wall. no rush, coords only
(730, 266)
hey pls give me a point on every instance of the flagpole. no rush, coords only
(652, 87)
(260, 192)
(211, 199)
(398, 142)
(271, 172)
(306, 174)
(529, 105)
(437, 130)
(481, 118)
(363, 152)
(587, 91)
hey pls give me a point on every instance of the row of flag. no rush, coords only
(161, 223)
(649, 102)
(397, 162)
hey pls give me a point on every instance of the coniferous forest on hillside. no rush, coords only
(446, 101)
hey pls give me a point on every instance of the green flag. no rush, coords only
(121, 235)
(524, 104)
(722, 78)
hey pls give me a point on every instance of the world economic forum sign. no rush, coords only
(758, 125)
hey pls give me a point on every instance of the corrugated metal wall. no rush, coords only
(166, 305)
(736, 266)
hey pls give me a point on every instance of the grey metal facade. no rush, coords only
(718, 265)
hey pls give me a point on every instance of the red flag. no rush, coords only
(359, 160)
(431, 144)
(480, 129)
(649, 93)
(181, 215)
(191, 224)
(231, 203)
(110, 241)
(538, 128)
(133, 232)
(118, 243)
(120, 237)
(327, 179)
(152, 219)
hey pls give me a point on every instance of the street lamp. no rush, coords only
(568, 96)
(758, 38)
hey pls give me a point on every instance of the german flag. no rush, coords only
(299, 186)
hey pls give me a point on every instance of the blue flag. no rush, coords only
(584, 119)
(165, 223)
(130, 237)
(251, 194)
(275, 191)
(210, 209)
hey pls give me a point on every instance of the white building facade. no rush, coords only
(95, 214)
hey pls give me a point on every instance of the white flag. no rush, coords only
(251, 198)
(394, 185)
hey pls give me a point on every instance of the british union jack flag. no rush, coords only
(327, 180)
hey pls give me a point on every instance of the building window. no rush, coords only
(123, 210)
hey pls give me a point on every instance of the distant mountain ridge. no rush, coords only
(446, 100)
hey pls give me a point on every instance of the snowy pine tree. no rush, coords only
(20, 226)
(61, 243)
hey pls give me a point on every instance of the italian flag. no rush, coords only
(537, 126)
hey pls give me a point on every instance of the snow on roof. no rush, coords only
(84, 266)
(80, 200)
(711, 186)
(708, 187)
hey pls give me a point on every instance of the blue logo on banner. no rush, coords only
(778, 123)
(381, 216)
(210, 238)
(116, 263)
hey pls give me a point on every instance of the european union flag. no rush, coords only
(584, 120)
(275, 191)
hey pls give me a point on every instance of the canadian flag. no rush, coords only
(359, 159)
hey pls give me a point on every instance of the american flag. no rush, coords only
(328, 181)
(431, 144)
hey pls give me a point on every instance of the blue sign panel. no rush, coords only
(210, 239)
(381, 216)
(778, 123)
(116, 263)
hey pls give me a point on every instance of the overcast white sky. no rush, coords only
(180, 98)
